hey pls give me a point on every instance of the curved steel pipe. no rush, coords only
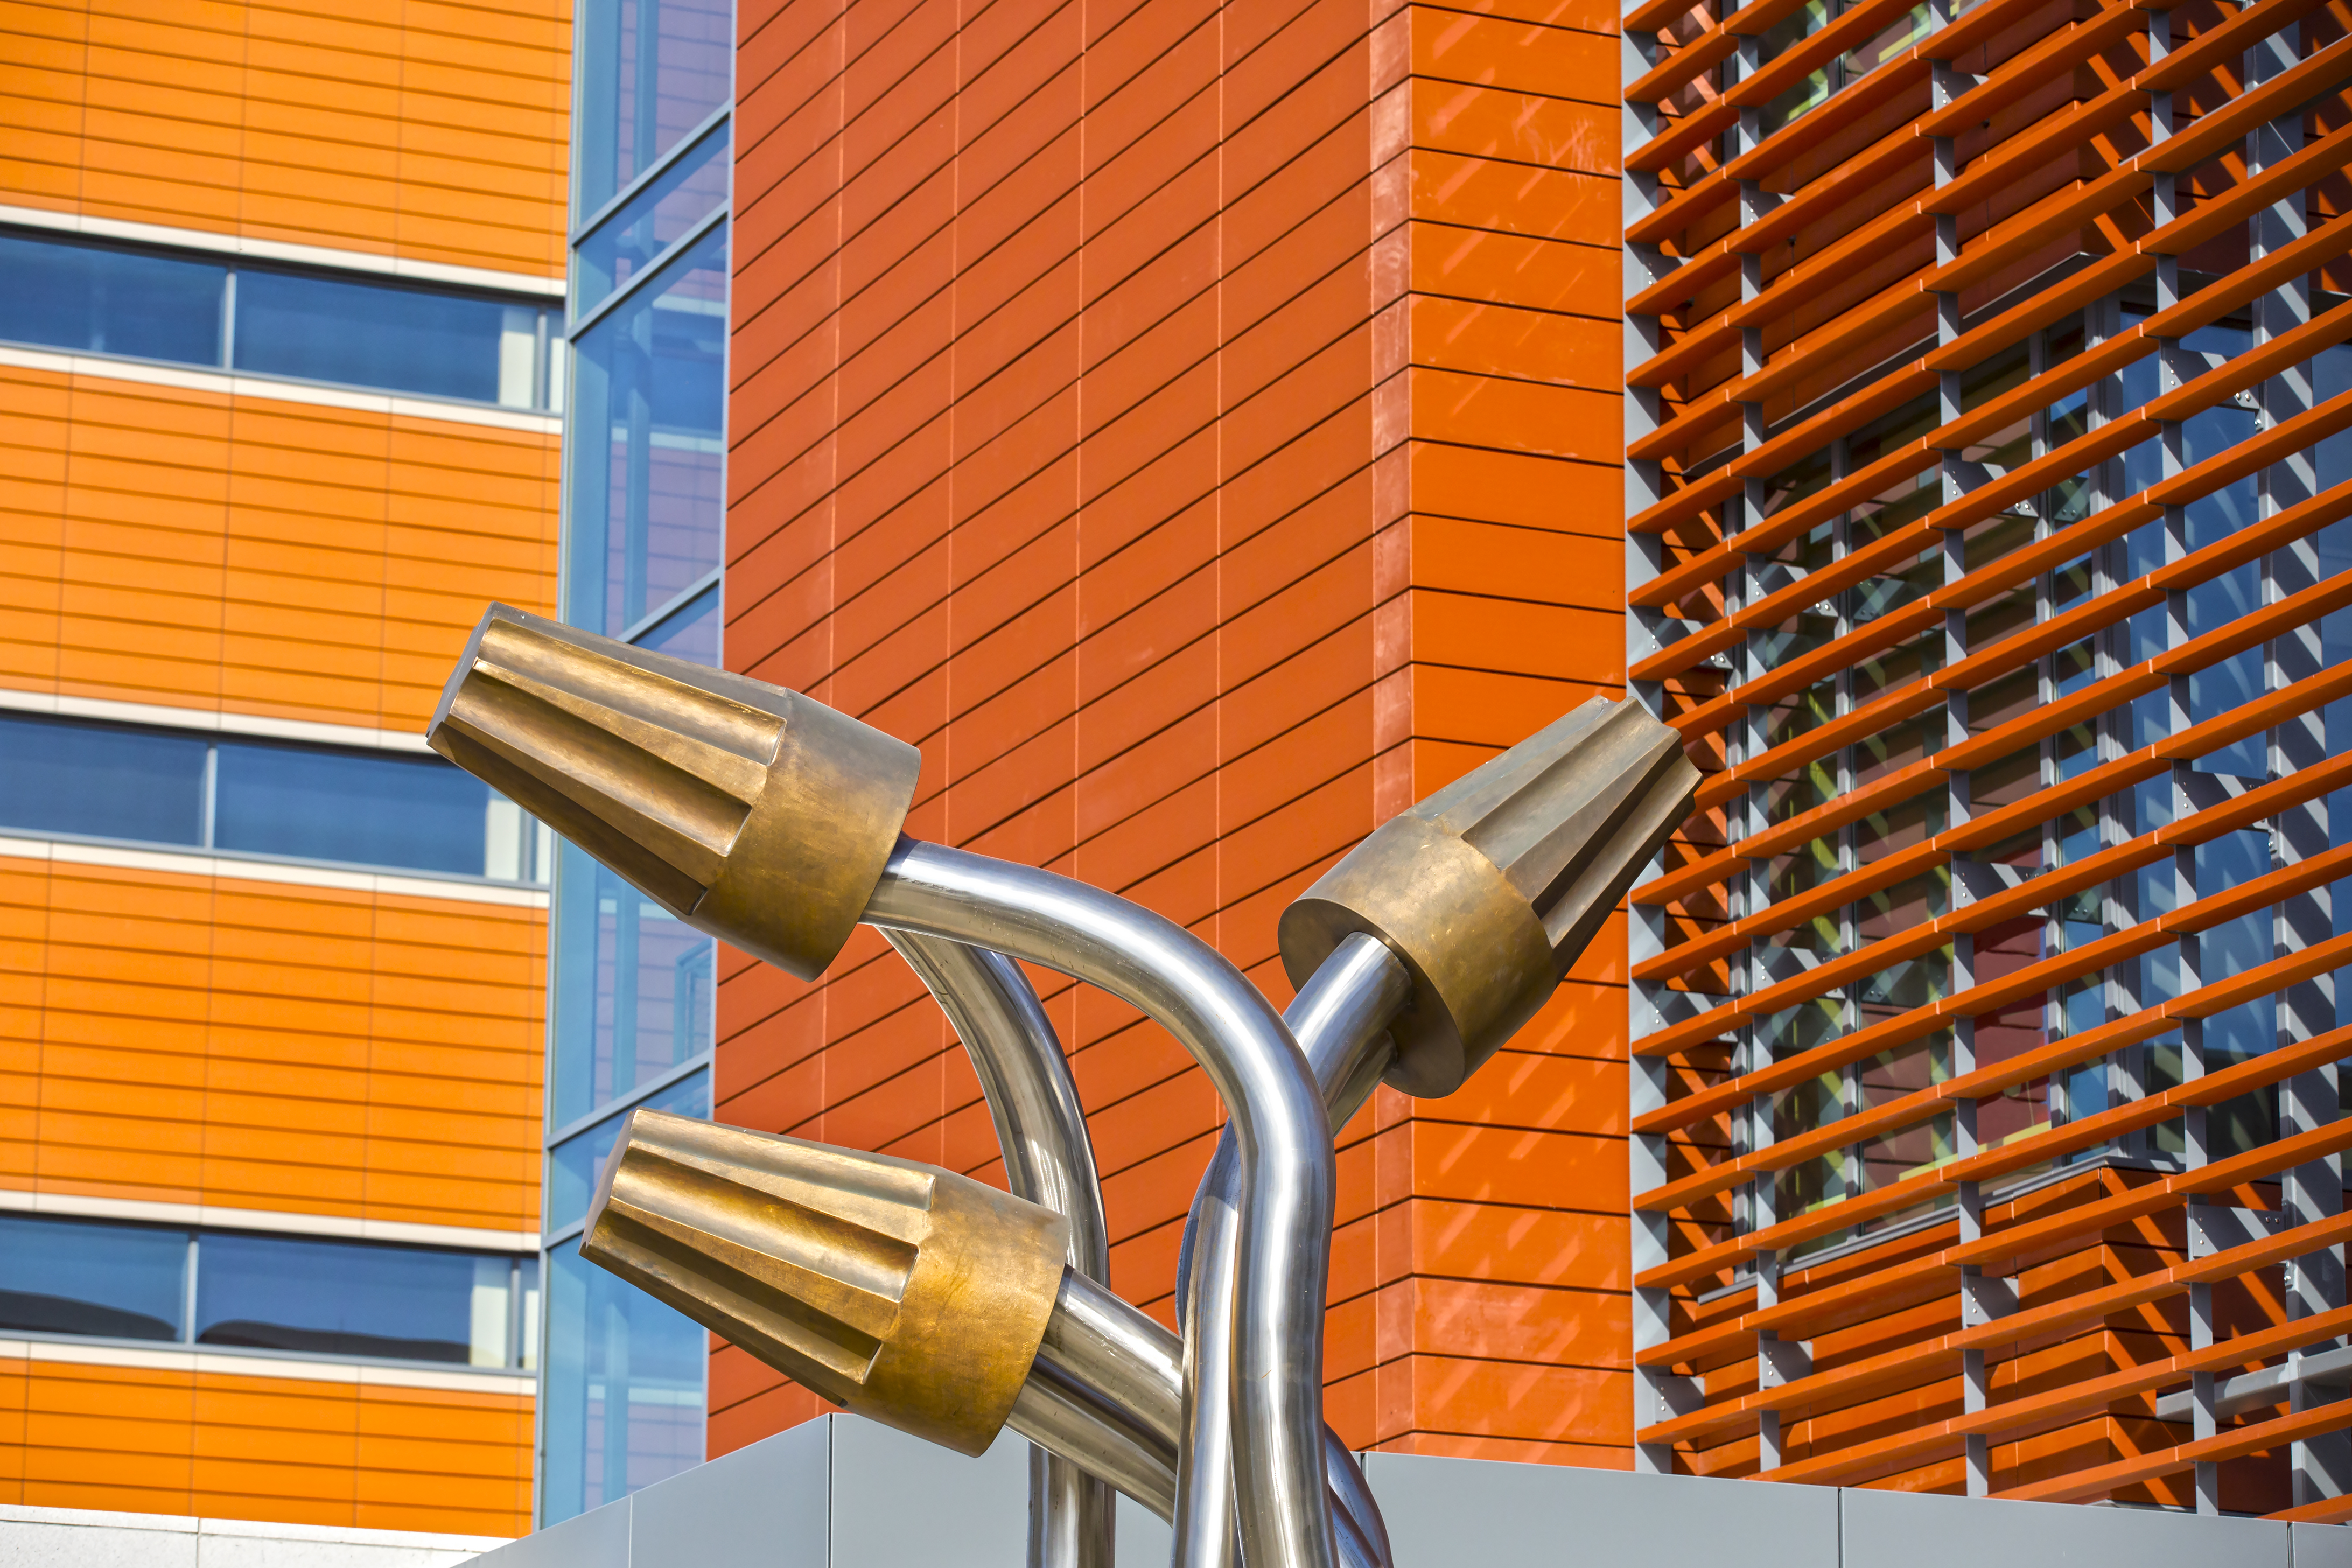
(1041, 1126)
(1104, 1391)
(1285, 1145)
(1340, 1019)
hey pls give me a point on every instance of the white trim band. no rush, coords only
(229, 1363)
(236, 384)
(198, 864)
(163, 717)
(255, 1530)
(221, 1216)
(284, 250)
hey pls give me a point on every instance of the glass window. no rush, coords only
(632, 989)
(689, 632)
(376, 334)
(417, 812)
(646, 73)
(96, 298)
(352, 1298)
(573, 1165)
(645, 445)
(100, 781)
(627, 243)
(623, 1390)
(120, 1281)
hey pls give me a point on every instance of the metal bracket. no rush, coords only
(2215, 1228)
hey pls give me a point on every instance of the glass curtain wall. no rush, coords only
(631, 990)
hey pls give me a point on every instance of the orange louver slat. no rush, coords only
(1990, 528)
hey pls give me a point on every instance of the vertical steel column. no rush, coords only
(2322, 1466)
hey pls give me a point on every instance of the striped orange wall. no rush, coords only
(1196, 427)
(200, 550)
(434, 132)
(190, 1039)
(331, 1452)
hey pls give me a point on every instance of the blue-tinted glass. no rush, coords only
(417, 813)
(631, 992)
(61, 1277)
(380, 335)
(627, 243)
(649, 399)
(101, 300)
(56, 776)
(688, 632)
(622, 1390)
(336, 1297)
(573, 1165)
(646, 73)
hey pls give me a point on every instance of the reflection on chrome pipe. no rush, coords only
(1105, 1384)
(1042, 1128)
(1340, 1019)
(1287, 1172)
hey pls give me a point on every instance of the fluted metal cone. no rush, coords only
(1489, 888)
(753, 813)
(899, 1291)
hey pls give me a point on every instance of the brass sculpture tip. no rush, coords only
(902, 1292)
(753, 813)
(1490, 888)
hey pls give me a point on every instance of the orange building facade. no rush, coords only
(1196, 429)
(252, 1040)
(1204, 430)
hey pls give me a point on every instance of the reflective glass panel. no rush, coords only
(627, 243)
(573, 1165)
(414, 812)
(645, 72)
(645, 446)
(691, 632)
(57, 776)
(96, 299)
(344, 1297)
(623, 1389)
(632, 988)
(63, 1277)
(381, 336)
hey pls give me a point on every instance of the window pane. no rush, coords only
(417, 813)
(573, 1165)
(59, 1277)
(690, 633)
(624, 244)
(647, 72)
(623, 1389)
(336, 1297)
(57, 776)
(379, 335)
(645, 445)
(101, 300)
(632, 989)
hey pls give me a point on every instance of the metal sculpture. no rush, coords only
(938, 1305)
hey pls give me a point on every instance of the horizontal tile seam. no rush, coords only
(245, 385)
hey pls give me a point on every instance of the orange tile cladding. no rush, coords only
(1197, 429)
(193, 1040)
(430, 131)
(330, 1453)
(238, 553)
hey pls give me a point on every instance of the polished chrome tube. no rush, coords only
(1104, 1389)
(1285, 1145)
(1042, 1128)
(1340, 1019)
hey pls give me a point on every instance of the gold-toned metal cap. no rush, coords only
(750, 812)
(1489, 888)
(899, 1291)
